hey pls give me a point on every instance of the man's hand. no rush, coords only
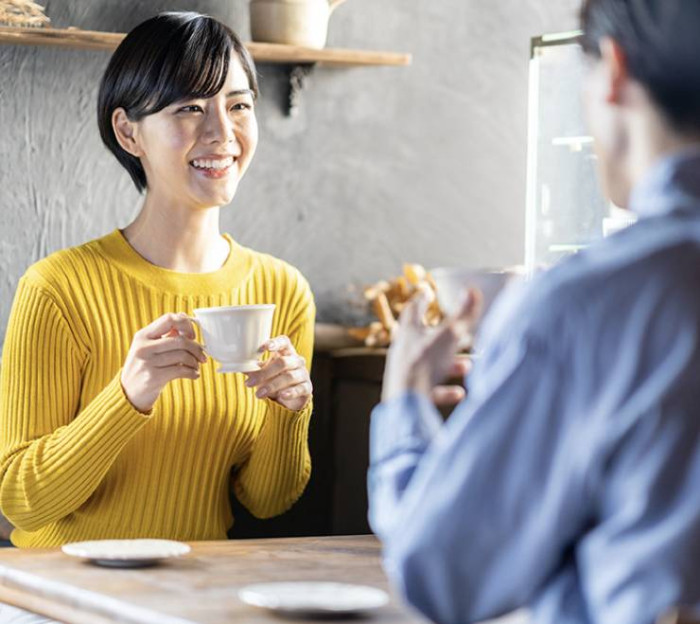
(421, 358)
(450, 395)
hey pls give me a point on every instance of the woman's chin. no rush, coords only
(222, 198)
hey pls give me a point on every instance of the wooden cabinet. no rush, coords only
(355, 390)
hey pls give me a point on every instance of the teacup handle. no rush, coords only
(196, 321)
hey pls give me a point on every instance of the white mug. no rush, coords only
(453, 282)
(233, 335)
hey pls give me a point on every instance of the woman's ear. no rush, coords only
(126, 132)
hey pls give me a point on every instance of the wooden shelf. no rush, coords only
(262, 52)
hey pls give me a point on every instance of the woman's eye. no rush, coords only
(192, 108)
(239, 106)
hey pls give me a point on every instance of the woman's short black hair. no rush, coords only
(168, 58)
(661, 41)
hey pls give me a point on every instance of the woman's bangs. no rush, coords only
(196, 65)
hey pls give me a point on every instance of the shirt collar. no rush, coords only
(671, 182)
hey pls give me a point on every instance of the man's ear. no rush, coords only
(126, 132)
(616, 69)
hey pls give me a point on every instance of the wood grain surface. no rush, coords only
(262, 52)
(198, 588)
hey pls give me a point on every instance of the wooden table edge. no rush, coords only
(21, 593)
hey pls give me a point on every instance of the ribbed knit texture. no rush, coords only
(77, 461)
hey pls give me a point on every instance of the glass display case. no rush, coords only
(566, 210)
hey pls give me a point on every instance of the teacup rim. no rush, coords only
(217, 309)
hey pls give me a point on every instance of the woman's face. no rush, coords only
(196, 151)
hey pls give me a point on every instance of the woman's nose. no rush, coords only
(220, 127)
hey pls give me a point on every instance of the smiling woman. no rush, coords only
(164, 97)
(113, 421)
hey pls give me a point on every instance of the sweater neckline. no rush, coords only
(230, 276)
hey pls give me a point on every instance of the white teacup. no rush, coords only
(452, 284)
(233, 334)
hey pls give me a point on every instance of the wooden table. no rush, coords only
(198, 588)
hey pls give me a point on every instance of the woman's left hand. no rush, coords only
(283, 377)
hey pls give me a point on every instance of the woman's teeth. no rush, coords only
(213, 164)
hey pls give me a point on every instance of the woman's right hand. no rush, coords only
(164, 350)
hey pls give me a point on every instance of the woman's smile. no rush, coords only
(214, 166)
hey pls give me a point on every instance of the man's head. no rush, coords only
(643, 85)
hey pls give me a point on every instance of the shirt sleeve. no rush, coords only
(474, 514)
(53, 455)
(279, 467)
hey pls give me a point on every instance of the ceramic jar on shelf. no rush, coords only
(292, 22)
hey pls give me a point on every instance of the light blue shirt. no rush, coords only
(569, 479)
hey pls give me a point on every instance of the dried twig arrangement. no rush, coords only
(22, 13)
(388, 298)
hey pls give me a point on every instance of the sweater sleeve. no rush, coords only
(53, 456)
(279, 466)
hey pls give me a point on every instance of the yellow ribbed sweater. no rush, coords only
(77, 461)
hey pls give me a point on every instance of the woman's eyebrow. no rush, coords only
(240, 92)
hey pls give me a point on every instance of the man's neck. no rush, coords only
(652, 141)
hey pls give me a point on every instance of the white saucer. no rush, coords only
(134, 553)
(238, 367)
(314, 599)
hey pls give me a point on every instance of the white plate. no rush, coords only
(134, 553)
(314, 599)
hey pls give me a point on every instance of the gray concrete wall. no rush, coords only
(423, 164)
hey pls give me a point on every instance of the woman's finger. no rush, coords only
(177, 372)
(282, 382)
(273, 367)
(174, 358)
(300, 390)
(162, 325)
(279, 344)
(177, 343)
